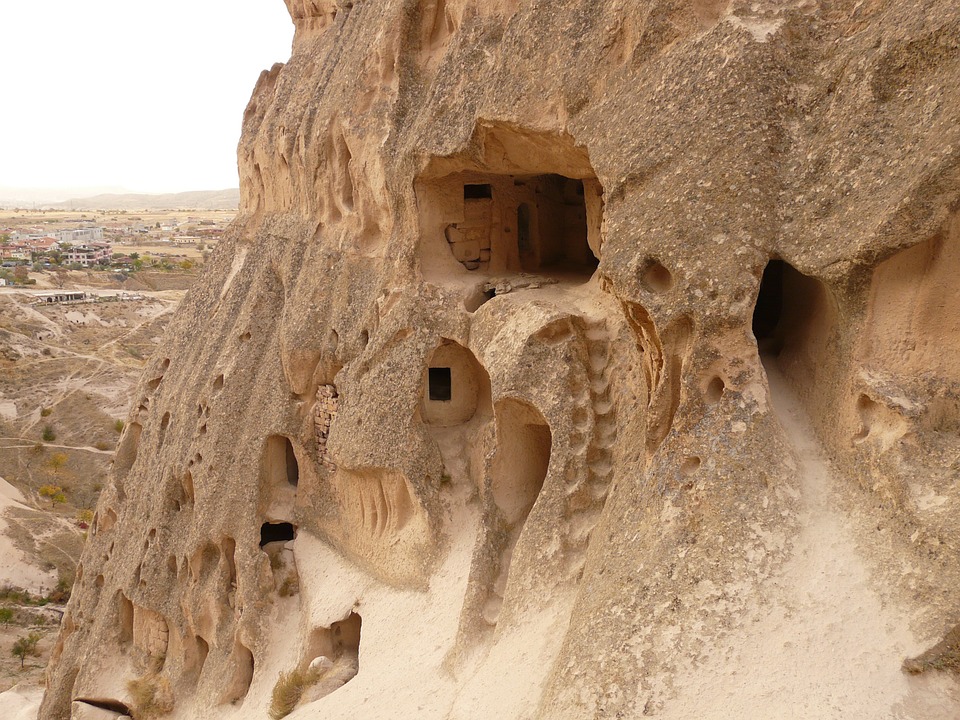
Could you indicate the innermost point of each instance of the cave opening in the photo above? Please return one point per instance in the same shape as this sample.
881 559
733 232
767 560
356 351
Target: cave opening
535 224
513 223
769 308
271 532
794 323
455 386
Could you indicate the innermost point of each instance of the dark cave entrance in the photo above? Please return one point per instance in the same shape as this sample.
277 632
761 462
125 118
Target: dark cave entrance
768 311
276 532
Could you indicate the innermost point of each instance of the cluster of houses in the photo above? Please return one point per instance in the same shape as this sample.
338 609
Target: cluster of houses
84 246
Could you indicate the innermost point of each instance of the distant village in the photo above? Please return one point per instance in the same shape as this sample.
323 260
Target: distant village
126 244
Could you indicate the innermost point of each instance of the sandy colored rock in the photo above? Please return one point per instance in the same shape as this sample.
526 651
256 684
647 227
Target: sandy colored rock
568 360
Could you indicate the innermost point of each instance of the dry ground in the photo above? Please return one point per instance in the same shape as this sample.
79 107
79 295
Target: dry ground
69 370
66 376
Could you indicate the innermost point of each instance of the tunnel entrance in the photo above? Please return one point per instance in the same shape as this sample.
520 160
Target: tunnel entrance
769 308
793 314
793 322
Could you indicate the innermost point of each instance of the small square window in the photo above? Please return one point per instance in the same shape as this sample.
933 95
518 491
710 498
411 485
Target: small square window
477 192
441 384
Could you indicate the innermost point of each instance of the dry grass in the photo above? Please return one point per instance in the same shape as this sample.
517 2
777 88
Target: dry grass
151 696
288 691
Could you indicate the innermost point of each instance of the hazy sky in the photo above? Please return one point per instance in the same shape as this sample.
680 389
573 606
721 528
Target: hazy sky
147 96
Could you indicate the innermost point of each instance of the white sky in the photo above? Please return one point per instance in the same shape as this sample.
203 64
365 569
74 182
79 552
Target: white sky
145 96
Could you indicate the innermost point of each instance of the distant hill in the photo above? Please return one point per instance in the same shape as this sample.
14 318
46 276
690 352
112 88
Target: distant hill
228 199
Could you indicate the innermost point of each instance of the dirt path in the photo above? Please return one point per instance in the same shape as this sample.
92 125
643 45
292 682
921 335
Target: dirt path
827 646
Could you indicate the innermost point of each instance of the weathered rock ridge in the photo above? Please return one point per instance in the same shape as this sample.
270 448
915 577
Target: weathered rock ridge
471 402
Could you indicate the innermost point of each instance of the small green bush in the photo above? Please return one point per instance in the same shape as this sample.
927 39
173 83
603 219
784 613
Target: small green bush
48 434
46 412
119 425
6 615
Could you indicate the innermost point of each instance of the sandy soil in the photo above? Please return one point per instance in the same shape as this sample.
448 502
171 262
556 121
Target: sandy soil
827 621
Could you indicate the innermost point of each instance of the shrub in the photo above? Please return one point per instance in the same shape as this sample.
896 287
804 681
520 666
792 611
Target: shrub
46 412
48 434
101 445
288 691
151 696
118 426
6 615
53 493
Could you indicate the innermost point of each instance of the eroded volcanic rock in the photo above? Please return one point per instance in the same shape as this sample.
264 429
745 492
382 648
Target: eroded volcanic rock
493 403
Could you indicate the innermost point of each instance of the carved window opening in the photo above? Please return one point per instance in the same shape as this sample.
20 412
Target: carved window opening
481 191
440 384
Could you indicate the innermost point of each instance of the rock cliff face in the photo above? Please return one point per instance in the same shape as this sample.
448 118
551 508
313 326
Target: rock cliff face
494 402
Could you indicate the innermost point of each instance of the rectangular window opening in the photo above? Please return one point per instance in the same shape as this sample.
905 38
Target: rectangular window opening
441 385
477 192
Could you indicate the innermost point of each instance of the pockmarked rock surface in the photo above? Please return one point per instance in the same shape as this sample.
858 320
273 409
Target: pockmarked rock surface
468 418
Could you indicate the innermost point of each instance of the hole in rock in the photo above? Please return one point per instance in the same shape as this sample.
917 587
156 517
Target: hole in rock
766 314
199 655
657 278
280 463
441 384
276 532
108 704
715 388
546 233
455 385
124 618
866 409
239 682
164 424
477 299
690 465
335 652
524 442
793 322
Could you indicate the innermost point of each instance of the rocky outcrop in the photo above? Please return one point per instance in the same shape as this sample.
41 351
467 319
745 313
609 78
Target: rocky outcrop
471 403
